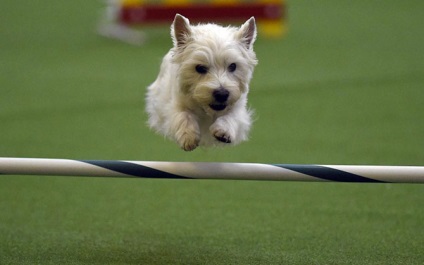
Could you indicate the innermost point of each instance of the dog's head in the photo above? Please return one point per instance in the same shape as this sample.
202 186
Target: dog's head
215 63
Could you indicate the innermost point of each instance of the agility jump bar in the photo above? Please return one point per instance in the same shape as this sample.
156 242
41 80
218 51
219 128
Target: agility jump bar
205 170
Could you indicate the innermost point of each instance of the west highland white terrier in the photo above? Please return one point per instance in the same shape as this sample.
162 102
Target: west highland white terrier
199 97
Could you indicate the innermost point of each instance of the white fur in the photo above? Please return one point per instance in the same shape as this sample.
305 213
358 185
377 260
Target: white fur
182 102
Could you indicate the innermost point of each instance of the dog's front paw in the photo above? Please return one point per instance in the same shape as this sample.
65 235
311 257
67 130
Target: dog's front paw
189 142
222 136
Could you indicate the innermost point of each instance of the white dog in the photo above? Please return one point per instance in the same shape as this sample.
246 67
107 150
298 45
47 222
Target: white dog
200 95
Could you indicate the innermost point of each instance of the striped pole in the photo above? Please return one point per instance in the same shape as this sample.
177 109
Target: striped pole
198 170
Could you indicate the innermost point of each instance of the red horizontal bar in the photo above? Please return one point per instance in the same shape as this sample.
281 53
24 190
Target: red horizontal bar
160 13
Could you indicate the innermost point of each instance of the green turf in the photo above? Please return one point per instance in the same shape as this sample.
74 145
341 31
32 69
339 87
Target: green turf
346 86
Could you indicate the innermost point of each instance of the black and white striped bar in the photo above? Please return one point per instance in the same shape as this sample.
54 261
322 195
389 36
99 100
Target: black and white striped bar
199 170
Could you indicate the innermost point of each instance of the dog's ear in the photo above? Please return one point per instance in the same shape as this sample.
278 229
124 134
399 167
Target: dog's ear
247 33
180 31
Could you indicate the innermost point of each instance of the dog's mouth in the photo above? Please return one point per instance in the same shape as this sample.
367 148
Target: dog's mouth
218 107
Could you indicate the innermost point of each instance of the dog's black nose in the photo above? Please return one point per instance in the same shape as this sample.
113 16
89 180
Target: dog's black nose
221 95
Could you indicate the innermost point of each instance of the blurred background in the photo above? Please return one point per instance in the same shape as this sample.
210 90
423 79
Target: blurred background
344 85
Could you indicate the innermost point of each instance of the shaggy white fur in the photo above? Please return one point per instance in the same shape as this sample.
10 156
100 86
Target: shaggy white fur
200 94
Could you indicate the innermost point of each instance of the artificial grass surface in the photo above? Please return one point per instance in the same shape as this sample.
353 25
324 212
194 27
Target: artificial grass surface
344 87
103 221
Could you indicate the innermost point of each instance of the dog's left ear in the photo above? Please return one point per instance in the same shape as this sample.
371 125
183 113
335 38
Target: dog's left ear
247 33
180 31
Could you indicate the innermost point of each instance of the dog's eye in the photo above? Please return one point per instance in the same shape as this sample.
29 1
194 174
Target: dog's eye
201 69
232 67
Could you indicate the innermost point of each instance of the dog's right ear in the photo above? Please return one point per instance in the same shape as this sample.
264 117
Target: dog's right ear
180 31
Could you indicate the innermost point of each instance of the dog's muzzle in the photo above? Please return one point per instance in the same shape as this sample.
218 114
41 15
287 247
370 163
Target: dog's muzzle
221 96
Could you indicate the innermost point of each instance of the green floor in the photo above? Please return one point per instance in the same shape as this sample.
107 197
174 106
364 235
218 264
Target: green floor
346 86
